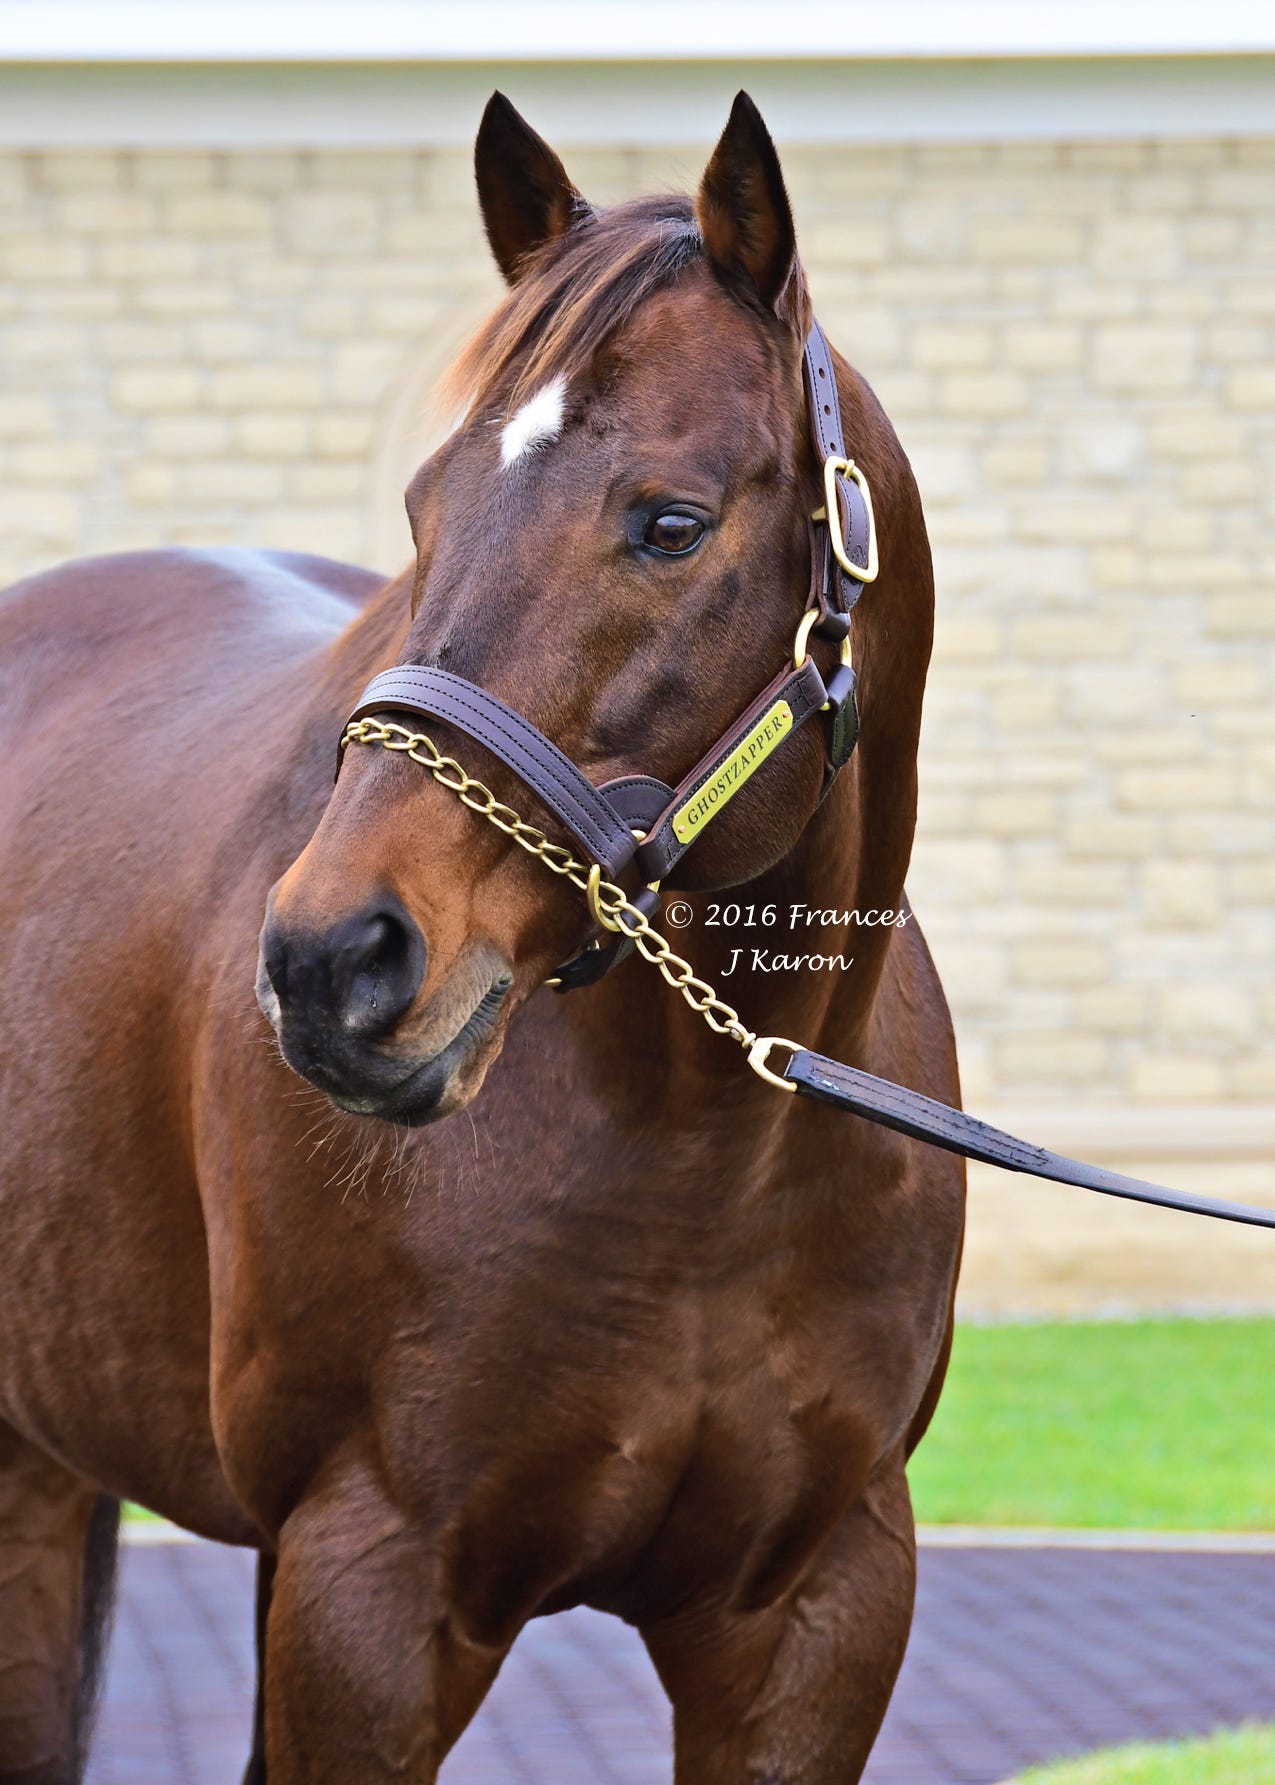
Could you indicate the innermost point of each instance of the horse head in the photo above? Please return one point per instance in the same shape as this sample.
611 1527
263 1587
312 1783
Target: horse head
615 541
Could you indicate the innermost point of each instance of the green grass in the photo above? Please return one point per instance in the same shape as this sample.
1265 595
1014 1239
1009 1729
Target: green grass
1164 1424
1235 1757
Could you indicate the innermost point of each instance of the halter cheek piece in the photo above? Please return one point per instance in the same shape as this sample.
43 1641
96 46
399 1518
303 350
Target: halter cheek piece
638 819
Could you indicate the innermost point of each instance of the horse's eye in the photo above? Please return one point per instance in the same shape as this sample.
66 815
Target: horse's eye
673 533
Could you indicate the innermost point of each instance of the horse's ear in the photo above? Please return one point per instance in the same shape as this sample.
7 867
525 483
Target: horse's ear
743 209
523 188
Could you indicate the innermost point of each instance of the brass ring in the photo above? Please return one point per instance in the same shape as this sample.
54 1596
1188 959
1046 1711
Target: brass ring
592 890
803 637
591 894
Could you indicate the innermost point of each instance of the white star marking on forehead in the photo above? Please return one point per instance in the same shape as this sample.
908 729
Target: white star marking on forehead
535 424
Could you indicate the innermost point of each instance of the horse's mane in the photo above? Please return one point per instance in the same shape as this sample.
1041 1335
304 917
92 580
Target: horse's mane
575 292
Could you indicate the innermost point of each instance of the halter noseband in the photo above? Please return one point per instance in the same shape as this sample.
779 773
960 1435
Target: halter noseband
637 818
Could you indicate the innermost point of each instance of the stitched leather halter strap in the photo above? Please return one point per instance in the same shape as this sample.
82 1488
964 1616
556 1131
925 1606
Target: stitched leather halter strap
574 800
908 1112
833 588
601 819
803 692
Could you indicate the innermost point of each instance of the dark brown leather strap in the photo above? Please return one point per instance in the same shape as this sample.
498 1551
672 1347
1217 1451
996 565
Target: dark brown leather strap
804 691
822 400
637 799
908 1112
836 591
437 694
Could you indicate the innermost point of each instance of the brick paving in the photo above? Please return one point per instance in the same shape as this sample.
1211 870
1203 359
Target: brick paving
1017 1655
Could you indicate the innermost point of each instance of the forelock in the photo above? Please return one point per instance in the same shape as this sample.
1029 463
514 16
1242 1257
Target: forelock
574 294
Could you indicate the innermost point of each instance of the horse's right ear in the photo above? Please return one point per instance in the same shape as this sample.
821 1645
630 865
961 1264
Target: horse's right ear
743 210
523 188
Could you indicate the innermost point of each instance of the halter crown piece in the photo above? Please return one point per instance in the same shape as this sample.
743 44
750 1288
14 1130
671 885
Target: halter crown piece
639 820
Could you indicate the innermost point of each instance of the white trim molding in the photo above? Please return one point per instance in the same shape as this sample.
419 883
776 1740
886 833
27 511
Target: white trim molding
415 73
428 104
1182 1543
147 1532
583 30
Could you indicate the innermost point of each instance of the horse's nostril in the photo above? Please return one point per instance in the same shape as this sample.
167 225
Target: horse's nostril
274 958
377 964
360 976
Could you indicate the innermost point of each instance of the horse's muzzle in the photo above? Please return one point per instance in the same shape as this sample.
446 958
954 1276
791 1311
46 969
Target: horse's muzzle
336 999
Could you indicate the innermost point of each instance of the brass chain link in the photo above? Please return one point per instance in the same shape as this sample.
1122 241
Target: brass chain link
610 904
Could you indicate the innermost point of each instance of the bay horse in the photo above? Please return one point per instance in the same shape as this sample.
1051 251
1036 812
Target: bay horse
625 1329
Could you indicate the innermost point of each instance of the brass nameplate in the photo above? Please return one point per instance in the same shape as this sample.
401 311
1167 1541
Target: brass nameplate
770 730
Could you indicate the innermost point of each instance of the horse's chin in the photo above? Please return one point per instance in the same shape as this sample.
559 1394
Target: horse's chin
397 1087
430 1092
436 1087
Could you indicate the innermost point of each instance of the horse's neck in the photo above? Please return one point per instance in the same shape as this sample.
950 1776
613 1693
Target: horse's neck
369 644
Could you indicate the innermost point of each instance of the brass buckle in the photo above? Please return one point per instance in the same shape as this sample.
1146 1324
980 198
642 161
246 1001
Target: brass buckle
832 466
759 1053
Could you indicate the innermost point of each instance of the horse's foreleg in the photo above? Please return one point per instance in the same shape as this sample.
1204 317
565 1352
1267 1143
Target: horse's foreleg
57 1551
256 1773
795 1694
368 1680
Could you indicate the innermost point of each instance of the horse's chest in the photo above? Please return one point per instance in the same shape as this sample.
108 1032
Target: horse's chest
619 1459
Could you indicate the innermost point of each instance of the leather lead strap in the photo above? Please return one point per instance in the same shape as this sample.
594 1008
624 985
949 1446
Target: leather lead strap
908 1112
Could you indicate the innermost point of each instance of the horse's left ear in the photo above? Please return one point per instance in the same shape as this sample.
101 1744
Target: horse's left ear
743 210
523 188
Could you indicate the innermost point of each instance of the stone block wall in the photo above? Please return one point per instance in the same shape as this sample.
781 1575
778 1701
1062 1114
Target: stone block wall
1077 344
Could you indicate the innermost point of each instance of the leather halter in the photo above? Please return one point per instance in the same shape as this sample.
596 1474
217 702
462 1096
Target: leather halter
637 819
